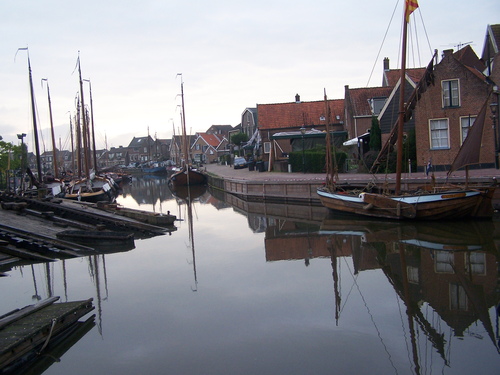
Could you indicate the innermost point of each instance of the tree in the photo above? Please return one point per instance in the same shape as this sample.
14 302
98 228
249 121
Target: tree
10 156
238 138
375 135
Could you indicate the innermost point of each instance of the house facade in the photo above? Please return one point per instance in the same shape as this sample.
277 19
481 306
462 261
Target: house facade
448 108
205 148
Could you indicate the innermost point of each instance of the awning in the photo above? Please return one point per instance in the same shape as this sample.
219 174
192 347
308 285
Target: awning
354 141
313 133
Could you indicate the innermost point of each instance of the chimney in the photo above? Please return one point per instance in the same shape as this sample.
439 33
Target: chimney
447 53
386 64
297 98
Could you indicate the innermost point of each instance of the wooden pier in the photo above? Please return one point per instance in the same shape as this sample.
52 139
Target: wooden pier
28 334
30 230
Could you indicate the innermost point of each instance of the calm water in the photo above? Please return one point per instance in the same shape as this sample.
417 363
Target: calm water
262 292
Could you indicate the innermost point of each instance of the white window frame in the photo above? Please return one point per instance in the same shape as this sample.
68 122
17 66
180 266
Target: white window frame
465 126
267 147
450 94
444 261
439 134
476 263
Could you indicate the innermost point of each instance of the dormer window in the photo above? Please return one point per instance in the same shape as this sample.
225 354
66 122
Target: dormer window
376 105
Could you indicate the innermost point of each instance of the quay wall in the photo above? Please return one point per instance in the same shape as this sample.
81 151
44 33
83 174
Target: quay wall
304 191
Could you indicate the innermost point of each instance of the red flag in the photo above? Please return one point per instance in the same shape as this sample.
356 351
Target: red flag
411 5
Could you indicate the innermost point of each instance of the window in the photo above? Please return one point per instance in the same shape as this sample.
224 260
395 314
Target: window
465 124
458 297
376 105
267 147
476 263
444 261
412 273
197 148
451 97
439 134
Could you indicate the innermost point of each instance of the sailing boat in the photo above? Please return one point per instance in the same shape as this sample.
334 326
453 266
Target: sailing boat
90 188
441 203
187 175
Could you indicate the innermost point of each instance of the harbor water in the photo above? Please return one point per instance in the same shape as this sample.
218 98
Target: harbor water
253 288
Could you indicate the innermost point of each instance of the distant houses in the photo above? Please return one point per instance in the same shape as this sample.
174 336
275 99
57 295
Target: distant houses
439 122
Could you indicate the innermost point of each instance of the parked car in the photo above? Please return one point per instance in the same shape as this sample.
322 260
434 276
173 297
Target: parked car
240 162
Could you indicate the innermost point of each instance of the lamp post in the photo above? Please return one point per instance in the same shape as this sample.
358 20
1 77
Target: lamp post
21 137
303 131
494 111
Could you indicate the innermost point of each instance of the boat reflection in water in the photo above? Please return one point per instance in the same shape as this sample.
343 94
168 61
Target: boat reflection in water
186 195
444 274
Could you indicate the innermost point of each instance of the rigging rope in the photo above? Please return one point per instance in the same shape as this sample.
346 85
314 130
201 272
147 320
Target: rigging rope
372 319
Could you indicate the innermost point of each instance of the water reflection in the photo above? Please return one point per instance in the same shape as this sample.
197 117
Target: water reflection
149 190
450 267
446 273
302 291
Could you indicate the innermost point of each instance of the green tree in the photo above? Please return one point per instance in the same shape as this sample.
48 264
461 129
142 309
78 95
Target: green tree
375 135
10 156
238 138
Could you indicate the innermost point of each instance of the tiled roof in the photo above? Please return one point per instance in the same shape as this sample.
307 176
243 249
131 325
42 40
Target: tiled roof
210 139
298 114
391 77
468 57
359 99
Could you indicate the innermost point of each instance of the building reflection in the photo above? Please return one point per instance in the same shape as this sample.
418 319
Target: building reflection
149 189
449 268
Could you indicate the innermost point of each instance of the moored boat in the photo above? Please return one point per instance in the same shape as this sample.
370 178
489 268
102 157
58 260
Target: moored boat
427 203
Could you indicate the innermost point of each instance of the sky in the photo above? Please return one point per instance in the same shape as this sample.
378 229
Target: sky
232 56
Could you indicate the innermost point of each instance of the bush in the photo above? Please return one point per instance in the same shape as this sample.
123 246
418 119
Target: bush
314 161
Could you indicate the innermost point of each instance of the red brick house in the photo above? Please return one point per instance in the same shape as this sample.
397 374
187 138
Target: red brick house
291 117
449 107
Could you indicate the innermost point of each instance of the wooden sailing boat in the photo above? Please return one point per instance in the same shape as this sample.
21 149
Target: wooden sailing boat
90 187
441 203
187 175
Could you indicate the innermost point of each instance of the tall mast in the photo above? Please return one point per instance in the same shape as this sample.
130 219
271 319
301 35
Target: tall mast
33 111
73 167
410 6
54 147
84 126
186 147
92 125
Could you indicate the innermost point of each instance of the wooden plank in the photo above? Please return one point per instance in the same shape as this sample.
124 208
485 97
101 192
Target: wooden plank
399 209
26 311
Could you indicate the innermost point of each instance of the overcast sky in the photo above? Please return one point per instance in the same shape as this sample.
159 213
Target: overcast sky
232 56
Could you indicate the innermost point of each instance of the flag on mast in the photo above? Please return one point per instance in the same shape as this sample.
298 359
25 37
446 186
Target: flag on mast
411 5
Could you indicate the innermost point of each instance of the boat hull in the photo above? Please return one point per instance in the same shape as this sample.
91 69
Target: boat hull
189 177
436 206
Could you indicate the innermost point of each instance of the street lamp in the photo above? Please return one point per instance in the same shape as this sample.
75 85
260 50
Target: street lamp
303 131
21 137
494 111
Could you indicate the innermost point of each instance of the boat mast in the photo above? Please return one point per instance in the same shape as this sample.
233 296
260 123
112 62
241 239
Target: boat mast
84 124
402 82
92 125
186 148
54 148
33 111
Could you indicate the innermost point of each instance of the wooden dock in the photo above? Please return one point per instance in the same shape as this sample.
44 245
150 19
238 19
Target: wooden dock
29 230
25 334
